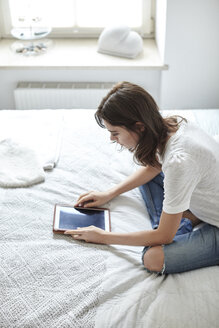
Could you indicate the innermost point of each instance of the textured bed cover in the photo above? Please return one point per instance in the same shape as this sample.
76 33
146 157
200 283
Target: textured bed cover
53 281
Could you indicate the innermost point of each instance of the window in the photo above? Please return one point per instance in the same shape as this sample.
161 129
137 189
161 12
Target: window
77 17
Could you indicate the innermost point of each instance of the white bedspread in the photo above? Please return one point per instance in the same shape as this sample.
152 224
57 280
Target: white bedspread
52 281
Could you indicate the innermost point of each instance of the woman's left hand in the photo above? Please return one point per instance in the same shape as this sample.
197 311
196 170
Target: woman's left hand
89 234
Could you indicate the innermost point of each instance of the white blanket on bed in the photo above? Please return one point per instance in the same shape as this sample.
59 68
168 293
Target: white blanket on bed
54 281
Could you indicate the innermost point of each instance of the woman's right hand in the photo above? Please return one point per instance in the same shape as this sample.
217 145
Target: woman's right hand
93 199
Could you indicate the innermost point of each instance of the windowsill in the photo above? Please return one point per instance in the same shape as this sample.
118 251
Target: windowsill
79 54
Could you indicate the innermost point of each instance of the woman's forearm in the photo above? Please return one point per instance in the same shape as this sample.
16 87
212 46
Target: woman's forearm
139 238
95 199
164 234
140 177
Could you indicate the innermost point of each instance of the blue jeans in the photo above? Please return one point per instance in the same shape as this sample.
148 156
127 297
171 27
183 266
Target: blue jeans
190 249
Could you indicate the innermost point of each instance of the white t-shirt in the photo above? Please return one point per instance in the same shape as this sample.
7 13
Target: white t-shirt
190 164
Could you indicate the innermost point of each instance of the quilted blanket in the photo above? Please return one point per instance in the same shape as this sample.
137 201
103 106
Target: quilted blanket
49 280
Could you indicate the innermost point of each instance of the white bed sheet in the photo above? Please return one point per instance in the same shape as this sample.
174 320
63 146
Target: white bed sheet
53 281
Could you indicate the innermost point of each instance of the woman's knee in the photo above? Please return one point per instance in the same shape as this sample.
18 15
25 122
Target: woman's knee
154 259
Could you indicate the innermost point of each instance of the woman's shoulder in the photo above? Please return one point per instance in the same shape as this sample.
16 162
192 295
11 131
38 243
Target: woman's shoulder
190 144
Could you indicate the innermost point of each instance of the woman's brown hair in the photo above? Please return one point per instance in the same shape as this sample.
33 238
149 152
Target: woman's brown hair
125 105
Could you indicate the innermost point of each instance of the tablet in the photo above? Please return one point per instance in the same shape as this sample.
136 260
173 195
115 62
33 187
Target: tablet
70 218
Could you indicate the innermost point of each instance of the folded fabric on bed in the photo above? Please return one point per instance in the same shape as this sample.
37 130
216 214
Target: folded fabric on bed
19 166
39 130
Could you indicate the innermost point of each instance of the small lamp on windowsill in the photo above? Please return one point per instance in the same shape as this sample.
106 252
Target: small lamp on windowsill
32 38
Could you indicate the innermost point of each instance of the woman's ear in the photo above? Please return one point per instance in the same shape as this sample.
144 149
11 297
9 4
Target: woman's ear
139 126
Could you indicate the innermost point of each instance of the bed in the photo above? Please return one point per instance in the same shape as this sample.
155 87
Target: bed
51 280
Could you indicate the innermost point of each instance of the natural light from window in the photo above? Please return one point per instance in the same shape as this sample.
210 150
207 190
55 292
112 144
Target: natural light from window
76 13
113 12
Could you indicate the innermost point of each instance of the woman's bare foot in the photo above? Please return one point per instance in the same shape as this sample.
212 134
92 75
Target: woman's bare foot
189 215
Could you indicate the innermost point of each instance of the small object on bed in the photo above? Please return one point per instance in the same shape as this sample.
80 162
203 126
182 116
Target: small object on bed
120 41
19 165
23 126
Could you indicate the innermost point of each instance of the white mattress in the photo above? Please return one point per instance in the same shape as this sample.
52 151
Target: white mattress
54 281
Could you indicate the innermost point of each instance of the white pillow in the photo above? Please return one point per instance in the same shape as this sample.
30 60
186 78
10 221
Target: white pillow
120 41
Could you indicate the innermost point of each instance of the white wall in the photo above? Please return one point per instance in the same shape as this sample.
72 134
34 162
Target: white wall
160 26
192 53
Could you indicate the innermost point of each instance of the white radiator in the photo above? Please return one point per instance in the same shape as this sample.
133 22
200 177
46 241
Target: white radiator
54 95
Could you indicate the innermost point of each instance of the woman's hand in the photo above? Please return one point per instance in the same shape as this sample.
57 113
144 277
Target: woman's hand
89 234
93 199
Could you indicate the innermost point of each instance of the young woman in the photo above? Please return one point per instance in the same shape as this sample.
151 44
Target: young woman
179 182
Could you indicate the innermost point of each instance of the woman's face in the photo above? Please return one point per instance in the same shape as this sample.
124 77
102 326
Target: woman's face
126 138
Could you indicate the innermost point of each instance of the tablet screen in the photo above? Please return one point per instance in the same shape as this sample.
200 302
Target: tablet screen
69 218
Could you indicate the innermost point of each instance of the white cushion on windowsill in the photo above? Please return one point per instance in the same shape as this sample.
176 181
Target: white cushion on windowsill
120 41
